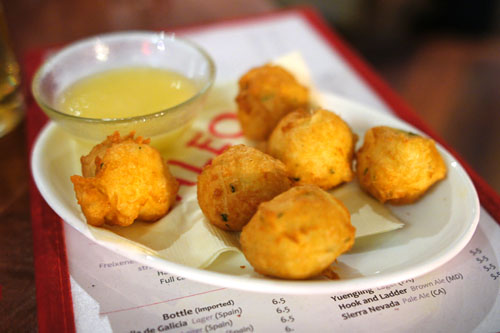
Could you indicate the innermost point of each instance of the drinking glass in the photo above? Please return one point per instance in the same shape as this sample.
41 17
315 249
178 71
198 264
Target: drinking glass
11 99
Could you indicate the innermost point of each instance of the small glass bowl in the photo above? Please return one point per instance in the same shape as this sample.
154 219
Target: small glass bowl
119 50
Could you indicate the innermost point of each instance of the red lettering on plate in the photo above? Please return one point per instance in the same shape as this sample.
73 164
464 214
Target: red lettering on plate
224 117
185 182
205 143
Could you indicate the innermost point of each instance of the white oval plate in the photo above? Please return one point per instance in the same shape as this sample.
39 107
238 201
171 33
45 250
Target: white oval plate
436 229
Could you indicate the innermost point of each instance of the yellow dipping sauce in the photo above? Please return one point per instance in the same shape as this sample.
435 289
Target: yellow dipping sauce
125 92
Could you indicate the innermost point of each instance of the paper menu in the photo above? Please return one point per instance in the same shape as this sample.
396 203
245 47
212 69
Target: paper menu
112 293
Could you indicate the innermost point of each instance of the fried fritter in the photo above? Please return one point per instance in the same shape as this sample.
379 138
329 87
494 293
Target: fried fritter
236 182
316 148
97 153
298 234
124 179
266 94
398 166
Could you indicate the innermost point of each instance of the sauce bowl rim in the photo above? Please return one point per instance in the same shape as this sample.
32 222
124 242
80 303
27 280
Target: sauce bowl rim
36 81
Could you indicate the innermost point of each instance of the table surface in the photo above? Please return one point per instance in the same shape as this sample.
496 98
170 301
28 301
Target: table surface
36 24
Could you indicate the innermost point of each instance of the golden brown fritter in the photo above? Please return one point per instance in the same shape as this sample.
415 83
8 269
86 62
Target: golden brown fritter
398 166
130 181
316 148
89 161
298 234
266 94
236 182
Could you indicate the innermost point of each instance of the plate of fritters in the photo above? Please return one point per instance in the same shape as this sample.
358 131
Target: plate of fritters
296 235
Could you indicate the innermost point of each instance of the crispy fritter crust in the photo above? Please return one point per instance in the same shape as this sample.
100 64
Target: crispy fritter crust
124 179
398 166
89 162
316 148
298 234
236 182
266 94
